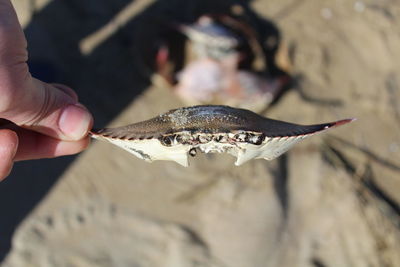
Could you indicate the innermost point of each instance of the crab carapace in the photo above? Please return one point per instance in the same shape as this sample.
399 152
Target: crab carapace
179 132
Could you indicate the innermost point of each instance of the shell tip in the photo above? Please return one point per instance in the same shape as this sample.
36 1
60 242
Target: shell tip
341 122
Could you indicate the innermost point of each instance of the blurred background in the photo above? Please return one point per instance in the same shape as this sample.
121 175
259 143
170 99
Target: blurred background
333 200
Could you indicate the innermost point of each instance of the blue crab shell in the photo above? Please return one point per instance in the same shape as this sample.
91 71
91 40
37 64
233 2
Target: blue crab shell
179 132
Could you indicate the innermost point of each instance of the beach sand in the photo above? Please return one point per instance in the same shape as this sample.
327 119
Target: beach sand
331 201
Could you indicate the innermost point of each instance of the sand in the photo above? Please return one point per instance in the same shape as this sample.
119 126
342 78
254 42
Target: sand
331 201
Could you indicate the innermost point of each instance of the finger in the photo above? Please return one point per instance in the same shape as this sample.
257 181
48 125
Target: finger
8 148
33 145
46 109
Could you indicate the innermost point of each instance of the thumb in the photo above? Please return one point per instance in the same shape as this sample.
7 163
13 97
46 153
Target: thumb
53 110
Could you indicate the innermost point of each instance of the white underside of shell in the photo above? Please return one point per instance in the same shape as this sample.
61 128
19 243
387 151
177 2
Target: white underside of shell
152 149
270 149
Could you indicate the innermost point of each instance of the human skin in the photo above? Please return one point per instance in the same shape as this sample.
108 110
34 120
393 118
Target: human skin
37 119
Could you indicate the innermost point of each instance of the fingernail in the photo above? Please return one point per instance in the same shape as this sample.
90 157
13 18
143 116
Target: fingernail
75 121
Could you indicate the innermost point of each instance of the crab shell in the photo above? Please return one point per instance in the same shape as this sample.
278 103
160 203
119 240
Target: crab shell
221 60
209 129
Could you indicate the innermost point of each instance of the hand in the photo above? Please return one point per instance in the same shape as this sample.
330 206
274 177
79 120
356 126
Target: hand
47 119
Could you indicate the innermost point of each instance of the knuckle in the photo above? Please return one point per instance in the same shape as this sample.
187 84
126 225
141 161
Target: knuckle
12 83
44 105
